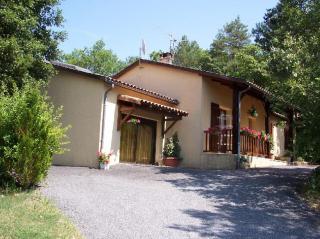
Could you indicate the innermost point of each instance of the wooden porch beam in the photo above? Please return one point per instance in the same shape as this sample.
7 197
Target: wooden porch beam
162 125
170 126
173 118
236 121
125 108
267 124
174 121
128 114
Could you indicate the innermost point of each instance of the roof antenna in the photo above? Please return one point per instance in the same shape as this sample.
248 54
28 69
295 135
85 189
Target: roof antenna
172 43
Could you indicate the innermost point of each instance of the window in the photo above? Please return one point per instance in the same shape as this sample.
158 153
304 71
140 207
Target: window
223 119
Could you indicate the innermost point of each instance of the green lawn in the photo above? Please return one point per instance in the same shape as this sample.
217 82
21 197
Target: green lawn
29 215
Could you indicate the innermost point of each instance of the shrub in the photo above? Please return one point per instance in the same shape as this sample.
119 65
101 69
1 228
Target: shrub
314 180
30 133
172 147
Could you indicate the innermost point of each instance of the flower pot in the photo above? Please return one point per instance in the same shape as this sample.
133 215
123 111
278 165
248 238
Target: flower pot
171 161
101 165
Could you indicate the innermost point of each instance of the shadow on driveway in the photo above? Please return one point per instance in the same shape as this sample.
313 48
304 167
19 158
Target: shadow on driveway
257 203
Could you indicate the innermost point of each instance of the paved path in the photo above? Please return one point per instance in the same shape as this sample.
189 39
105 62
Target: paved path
132 201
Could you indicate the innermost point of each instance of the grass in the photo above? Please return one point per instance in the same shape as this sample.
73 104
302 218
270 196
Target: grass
313 199
310 191
29 215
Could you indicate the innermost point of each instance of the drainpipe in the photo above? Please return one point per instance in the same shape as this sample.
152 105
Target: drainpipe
103 115
238 119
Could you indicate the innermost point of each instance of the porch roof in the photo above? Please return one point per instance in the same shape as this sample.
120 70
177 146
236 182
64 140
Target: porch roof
152 105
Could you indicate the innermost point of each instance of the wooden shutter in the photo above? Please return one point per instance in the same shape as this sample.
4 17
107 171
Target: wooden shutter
215 114
214 138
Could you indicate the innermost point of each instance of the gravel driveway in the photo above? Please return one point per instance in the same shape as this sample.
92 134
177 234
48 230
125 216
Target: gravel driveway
132 201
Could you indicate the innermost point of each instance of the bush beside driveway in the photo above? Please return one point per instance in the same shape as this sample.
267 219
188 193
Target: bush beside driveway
132 201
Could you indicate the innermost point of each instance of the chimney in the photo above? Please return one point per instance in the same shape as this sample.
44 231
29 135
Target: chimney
166 58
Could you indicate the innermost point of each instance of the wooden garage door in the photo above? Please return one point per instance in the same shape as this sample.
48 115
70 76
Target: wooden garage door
137 144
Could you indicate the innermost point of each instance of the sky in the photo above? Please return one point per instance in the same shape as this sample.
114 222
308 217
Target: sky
122 24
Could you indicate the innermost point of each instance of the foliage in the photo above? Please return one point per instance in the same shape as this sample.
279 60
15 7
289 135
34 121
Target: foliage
97 58
314 180
253 111
172 147
28 215
233 37
262 135
30 134
290 35
188 54
249 63
131 59
155 55
104 157
28 35
134 120
311 189
244 162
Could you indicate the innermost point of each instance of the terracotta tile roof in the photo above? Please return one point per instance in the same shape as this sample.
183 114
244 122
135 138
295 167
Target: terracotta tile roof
142 90
153 105
116 82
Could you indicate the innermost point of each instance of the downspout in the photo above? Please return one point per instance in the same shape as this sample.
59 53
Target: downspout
103 115
238 124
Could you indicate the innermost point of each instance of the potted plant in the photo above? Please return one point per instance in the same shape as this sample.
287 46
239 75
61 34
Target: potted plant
171 151
134 121
253 112
104 160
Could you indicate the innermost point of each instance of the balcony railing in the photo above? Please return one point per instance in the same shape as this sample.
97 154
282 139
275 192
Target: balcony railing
220 141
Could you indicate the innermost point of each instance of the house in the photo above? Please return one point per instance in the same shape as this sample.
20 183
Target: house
135 110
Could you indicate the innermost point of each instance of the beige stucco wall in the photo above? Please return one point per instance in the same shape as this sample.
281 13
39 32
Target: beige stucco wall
218 161
278 138
111 136
82 101
214 92
195 95
246 103
187 88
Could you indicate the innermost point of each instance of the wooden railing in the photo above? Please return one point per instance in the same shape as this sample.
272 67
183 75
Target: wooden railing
220 141
253 146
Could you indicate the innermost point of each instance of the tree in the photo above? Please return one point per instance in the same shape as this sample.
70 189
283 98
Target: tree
232 53
97 58
27 38
188 53
131 59
290 34
30 134
249 63
233 37
155 55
